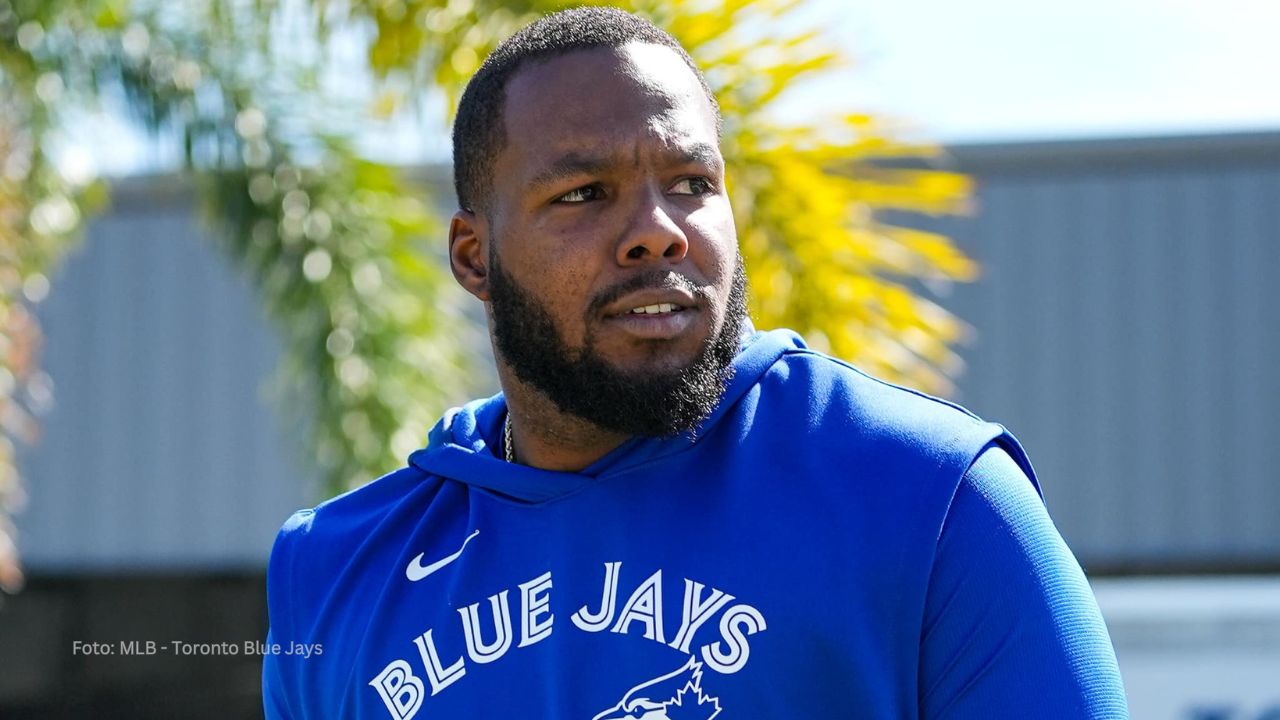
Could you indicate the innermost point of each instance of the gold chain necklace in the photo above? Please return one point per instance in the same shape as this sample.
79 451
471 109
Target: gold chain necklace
509 449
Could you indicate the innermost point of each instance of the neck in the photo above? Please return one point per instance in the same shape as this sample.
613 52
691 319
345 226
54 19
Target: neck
546 437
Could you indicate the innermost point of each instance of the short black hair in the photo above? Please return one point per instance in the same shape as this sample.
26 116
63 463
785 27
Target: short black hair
478 133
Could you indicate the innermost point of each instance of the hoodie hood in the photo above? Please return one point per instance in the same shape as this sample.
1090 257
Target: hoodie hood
464 444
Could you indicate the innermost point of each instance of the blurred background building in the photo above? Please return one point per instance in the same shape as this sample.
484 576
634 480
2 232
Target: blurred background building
1127 226
1123 328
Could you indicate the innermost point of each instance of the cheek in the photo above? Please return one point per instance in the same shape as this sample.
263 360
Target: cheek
559 279
716 242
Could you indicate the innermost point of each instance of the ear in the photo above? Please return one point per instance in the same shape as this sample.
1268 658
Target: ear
469 252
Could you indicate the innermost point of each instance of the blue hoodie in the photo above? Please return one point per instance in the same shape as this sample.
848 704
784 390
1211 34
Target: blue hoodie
826 546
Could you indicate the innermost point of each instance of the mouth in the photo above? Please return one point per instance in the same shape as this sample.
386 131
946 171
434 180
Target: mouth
654 320
658 312
656 309
653 301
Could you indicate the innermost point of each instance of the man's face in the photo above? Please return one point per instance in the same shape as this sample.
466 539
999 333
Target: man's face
609 197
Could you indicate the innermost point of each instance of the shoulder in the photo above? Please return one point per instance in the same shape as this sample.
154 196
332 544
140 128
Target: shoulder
348 517
829 397
315 546
900 452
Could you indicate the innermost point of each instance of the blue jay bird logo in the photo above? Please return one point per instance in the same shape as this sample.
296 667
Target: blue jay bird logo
675 696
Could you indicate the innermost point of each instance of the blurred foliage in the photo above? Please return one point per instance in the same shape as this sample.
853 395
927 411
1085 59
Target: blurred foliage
346 254
850 286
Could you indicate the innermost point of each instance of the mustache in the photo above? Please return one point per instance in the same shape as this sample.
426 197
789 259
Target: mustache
651 280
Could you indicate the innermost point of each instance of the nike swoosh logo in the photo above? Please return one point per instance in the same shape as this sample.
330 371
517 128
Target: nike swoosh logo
416 571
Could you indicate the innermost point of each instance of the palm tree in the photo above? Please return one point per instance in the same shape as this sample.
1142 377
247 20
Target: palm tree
335 242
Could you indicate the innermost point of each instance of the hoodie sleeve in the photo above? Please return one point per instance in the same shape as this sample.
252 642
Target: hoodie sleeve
274 702
277 677
1011 627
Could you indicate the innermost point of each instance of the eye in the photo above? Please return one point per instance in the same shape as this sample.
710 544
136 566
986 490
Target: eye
582 194
692 186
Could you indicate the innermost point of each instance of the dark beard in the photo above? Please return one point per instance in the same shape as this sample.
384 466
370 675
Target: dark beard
582 383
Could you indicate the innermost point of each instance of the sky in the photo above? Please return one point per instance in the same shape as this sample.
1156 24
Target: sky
975 71
995 70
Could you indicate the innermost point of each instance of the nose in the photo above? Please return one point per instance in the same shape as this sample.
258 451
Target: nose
651 234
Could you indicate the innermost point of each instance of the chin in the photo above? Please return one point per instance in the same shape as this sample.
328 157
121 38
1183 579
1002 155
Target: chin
655 357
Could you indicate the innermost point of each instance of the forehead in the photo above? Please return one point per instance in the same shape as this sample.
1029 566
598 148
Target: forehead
603 99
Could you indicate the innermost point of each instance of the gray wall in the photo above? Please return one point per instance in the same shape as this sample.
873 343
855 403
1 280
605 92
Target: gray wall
161 450
1125 331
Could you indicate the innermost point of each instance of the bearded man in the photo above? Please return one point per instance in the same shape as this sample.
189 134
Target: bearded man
664 513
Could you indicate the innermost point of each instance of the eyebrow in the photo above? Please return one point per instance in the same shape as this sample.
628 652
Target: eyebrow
566 166
704 153
576 163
